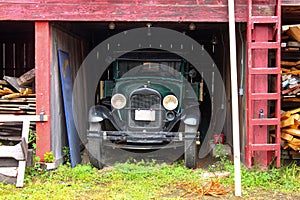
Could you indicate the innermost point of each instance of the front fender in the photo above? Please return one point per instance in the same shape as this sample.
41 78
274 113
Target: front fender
99 113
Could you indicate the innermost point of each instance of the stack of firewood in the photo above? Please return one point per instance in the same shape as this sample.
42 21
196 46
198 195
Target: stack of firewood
16 94
290 132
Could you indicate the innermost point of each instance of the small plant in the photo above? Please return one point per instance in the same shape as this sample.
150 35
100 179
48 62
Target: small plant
66 154
49 157
224 163
32 139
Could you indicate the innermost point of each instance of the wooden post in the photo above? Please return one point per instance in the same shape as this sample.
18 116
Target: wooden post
42 82
234 100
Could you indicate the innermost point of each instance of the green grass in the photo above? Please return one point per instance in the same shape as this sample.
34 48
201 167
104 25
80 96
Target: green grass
141 180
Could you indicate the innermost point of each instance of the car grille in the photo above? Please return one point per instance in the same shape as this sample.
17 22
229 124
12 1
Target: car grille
145 101
140 101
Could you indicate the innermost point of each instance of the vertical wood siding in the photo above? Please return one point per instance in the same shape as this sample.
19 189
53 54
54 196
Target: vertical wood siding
16 55
67 42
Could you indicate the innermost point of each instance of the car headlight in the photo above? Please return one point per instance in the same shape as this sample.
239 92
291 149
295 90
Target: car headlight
170 102
118 101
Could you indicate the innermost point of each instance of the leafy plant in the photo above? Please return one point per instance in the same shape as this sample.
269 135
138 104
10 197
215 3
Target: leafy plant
224 162
66 154
49 157
32 137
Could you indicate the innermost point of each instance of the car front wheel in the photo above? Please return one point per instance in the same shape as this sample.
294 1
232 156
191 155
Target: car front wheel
95 145
190 146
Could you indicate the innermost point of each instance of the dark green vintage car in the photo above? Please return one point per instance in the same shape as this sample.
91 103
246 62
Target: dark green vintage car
149 104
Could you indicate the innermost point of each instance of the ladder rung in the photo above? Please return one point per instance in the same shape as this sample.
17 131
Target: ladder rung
265 121
262 71
264 19
265 96
265 147
265 45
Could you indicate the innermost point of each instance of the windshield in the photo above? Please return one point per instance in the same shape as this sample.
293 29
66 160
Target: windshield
137 69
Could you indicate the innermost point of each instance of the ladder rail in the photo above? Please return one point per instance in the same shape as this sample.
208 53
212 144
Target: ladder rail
252 73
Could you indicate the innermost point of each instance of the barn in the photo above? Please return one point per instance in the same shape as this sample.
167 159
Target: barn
32 32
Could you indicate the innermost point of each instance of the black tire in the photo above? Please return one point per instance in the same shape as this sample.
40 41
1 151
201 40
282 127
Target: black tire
95 146
190 147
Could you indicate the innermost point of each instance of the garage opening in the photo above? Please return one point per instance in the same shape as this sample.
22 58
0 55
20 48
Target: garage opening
212 36
78 39
17 92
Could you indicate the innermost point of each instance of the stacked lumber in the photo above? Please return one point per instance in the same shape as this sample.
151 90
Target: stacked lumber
290 66
16 94
290 132
290 80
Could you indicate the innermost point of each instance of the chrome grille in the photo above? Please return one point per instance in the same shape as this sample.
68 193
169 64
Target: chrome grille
145 100
140 101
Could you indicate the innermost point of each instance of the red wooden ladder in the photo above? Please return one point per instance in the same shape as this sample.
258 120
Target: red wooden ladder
263 86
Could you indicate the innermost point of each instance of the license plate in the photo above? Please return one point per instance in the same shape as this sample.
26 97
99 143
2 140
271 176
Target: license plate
145 115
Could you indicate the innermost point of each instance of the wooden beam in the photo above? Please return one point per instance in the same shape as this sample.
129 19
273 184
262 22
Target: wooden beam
290 3
21 118
42 82
26 78
22 164
113 10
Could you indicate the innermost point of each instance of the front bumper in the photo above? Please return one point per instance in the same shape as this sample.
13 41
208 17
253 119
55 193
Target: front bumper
142 140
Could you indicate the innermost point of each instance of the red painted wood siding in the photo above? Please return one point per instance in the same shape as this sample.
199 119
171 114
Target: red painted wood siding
126 10
42 70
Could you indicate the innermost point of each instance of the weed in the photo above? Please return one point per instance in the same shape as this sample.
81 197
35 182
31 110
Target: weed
224 163
49 157
66 154
32 139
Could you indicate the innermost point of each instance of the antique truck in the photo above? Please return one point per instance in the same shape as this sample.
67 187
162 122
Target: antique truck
149 101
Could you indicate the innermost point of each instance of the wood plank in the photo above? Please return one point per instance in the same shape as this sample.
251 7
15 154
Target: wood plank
10 138
290 89
9 171
13 105
26 78
9 128
21 173
295 141
294 111
13 82
18 100
19 112
11 96
285 115
290 3
286 136
9 109
3 82
15 152
20 118
22 164
295 132
294 147
8 162
291 99
287 122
